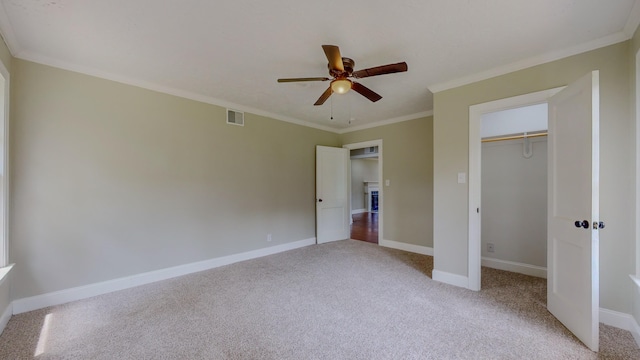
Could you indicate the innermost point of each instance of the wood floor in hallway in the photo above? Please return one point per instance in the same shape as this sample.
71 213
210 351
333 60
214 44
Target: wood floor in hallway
365 227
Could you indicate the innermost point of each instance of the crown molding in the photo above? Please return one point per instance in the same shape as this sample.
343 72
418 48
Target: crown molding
6 31
633 21
202 98
530 62
387 122
164 89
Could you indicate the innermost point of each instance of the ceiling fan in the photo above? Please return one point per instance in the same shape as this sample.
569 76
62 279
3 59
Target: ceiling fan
341 69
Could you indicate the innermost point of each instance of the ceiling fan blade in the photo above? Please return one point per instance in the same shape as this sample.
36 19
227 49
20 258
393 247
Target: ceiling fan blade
304 79
325 95
333 55
365 91
380 70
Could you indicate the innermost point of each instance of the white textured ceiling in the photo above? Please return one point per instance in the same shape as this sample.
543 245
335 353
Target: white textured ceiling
231 52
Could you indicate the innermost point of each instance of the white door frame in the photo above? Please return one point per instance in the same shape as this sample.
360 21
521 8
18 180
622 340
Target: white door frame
636 277
4 235
475 156
362 145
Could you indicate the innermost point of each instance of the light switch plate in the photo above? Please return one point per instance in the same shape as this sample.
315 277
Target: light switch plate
387 182
462 178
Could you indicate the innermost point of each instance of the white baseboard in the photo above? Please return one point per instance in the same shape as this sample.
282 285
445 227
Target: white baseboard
358 211
418 249
621 320
635 330
616 319
451 279
83 292
6 316
526 269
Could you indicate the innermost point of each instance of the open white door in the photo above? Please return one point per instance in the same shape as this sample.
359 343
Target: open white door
332 203
573 208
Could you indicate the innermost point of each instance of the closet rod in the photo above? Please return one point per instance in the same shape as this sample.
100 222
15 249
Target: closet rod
514 137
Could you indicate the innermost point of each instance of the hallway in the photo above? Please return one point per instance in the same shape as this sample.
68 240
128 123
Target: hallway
365 227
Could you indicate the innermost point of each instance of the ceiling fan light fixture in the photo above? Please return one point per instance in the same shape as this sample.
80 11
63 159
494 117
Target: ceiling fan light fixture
341 86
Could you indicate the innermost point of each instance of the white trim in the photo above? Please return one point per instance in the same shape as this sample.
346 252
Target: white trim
634 327
520 268
475 153
637 185
7 31
365 144
616 319
451 279
387 122
418 249
6 316
621 321
4 272
358 211
475 223
530 62
165 89
203 98
4 211
633 21
83 292
635 330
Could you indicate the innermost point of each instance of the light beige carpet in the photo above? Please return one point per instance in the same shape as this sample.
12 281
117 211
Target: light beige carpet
343 300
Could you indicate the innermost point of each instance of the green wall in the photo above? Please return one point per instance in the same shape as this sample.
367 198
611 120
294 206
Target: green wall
617 141
111 180
407 163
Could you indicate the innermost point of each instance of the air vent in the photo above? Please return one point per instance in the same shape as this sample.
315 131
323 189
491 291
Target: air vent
235 117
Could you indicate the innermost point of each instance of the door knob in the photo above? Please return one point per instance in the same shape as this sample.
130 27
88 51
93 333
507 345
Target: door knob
319 200
582 224
601 225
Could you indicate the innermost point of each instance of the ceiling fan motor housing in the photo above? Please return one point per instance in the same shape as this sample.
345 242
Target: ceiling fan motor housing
348 64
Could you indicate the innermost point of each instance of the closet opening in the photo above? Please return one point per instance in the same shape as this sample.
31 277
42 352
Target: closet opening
501 255
514 190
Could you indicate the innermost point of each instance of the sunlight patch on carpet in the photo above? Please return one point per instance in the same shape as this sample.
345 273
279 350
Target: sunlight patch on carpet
44 335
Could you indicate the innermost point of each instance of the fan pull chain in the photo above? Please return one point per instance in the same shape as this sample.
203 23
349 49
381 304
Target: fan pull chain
331 109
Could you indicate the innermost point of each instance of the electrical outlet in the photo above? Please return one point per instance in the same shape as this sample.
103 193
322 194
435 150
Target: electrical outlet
490 247
268 237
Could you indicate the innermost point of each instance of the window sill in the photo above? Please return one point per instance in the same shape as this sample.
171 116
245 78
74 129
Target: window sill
4 272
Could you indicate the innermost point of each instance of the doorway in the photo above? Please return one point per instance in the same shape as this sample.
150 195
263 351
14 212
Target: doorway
572 193
514 190
475 160
365 190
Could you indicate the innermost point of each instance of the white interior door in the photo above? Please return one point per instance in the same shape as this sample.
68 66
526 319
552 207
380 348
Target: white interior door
332 190
572 258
